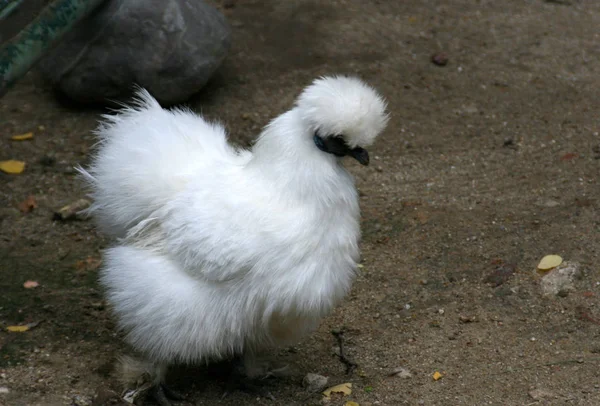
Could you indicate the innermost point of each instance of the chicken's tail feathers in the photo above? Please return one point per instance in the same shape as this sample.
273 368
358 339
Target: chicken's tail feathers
89 181
141 100
145 156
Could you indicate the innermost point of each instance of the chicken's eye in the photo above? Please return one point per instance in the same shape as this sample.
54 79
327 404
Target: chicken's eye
319 142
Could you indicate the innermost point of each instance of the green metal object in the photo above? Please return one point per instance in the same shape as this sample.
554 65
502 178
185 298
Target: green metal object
8 6
20 53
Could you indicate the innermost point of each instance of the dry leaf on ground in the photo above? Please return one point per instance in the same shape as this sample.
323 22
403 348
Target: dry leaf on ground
31 284
88 264
12 166
22 137
72 211
343 388
549 262
23 328
28 204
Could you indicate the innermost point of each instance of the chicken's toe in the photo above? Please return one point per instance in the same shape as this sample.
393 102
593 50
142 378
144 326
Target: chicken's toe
163 395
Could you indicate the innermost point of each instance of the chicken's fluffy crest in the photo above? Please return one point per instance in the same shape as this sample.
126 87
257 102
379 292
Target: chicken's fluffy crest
339 105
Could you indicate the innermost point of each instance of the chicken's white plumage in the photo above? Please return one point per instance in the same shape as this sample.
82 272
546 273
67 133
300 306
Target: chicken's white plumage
222 251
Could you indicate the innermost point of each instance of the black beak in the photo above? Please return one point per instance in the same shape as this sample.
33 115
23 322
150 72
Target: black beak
361 155
338 147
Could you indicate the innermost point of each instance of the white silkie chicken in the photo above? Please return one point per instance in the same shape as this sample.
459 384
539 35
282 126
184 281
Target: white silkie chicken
225 252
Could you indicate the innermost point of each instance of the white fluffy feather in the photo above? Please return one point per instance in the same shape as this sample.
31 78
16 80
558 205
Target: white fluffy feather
223 251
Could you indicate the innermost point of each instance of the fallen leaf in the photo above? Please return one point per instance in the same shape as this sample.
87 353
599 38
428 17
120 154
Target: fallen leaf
22 329
31 284
437 376
343 388
17 329
22 137
72 211
88 264
549 262
568 156
28 204
11 166
582 202
351 403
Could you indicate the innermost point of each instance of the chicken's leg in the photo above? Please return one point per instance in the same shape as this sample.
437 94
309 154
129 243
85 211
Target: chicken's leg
238 379
146 379
162 394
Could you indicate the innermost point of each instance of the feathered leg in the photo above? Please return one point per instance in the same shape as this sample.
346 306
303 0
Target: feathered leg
145 378
249 373
241 377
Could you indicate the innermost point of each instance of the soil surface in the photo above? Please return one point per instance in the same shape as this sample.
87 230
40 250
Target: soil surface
489 163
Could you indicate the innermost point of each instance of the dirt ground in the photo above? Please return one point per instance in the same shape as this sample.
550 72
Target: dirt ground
488 161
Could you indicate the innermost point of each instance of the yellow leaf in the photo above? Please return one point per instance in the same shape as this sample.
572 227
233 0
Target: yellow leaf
12 166
344 388
549 262
437 376
22 137
17 329
351 403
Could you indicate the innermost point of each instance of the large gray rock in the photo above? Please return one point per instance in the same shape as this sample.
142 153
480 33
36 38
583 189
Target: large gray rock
170 47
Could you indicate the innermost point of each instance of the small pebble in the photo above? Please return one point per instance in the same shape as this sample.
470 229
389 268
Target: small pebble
440 59
539 394
47 160
79 400
402 373
466 319
509 142
314 382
